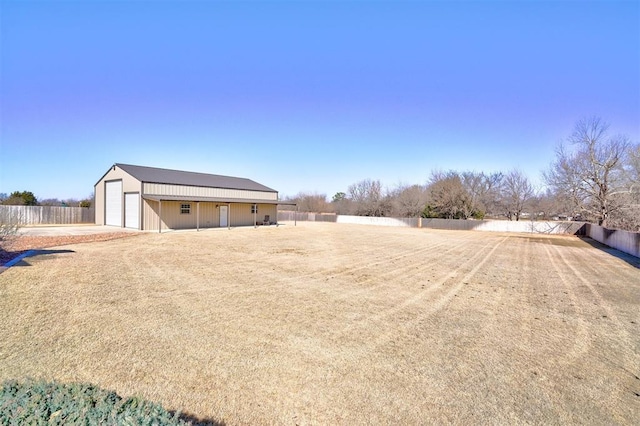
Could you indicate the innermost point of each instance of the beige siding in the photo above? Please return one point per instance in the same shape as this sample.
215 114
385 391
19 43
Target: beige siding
241 214
209 215
149 215
172 218
198 191
99 202
129 184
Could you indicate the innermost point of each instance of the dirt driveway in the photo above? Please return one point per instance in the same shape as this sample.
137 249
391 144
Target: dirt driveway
330 323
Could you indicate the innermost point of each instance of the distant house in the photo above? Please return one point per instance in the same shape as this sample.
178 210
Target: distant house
149 198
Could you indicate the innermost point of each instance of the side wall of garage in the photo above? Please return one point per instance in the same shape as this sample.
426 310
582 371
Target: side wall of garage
241 214
174 216
129 185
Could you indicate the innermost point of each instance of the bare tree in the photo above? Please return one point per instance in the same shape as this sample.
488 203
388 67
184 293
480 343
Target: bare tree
546 205
590 171
448 198
408 200
632 169
9 226
516 192
367 198
628 215
484 190
311 202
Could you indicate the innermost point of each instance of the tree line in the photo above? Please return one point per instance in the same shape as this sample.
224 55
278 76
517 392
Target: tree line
27 198
594 177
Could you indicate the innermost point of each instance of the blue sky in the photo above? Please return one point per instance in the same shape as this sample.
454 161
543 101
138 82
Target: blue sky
305 96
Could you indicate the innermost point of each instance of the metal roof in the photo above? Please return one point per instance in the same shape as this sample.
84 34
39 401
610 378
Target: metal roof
207 199
178 177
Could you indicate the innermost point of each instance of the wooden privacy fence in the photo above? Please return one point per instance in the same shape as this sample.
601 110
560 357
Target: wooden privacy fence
47 215
304 216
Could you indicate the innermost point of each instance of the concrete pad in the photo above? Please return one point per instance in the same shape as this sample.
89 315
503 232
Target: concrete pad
62 230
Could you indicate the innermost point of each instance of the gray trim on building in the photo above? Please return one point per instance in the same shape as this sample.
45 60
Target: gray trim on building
207 199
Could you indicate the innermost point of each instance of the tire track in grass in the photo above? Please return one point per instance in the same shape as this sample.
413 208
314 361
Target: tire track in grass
629 364
481 257
600 264
275 264
351 353
336 291
354 355
603 264
581 341
601 301
338 288
523 313
380 261
377 260
347 293
416 298
414 272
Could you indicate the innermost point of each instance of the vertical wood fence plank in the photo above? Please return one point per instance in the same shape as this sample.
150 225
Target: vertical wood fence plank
48 215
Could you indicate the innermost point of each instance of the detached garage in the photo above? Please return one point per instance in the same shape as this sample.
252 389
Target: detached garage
149 198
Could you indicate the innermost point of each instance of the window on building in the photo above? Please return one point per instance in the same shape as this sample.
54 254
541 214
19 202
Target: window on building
185 208
254 209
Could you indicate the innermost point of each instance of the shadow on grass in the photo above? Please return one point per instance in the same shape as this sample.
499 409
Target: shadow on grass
197 421
8 257
630 259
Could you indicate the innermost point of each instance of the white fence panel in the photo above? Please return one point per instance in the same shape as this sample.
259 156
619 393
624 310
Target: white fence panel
379 221
625 241
525 226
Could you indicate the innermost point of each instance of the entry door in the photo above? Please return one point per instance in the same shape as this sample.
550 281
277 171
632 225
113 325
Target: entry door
223 216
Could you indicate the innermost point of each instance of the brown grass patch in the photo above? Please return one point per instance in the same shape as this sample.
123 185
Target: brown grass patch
329 323
18 244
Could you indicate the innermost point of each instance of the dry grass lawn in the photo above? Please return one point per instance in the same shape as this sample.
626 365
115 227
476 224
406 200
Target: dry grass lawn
328 323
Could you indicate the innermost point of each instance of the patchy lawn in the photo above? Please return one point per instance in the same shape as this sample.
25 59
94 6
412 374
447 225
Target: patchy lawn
16 245
330 323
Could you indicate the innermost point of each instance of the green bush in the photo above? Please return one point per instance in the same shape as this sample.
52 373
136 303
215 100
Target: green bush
38 403
478 214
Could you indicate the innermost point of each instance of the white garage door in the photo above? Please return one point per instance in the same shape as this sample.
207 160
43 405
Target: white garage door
131 211
113 203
